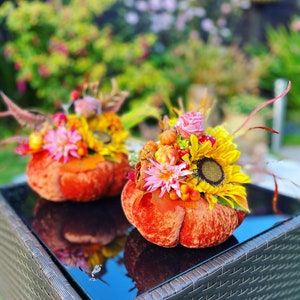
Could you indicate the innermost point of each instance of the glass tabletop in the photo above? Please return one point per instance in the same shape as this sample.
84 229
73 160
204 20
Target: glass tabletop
104 257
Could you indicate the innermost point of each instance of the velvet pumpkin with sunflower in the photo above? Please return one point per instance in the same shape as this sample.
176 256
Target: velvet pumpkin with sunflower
188 188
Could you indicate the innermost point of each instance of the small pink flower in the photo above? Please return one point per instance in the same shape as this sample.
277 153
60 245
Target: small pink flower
21 86
87 107
59 118
62 48
131 176
190 123
166 177
22 149
141 5
81 52
43 70
295 26
226 8
205 138
7 52
17 66
75 94
62 143
132 18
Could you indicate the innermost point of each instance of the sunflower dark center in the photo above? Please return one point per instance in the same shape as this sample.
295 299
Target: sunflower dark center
210 171
102 136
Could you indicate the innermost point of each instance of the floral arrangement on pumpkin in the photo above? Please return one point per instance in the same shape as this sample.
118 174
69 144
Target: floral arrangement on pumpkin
79 154
188 187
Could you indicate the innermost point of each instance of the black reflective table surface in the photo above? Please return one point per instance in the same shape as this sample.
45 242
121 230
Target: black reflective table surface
104 257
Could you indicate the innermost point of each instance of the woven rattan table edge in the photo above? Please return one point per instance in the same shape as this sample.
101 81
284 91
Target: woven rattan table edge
182 285
56 280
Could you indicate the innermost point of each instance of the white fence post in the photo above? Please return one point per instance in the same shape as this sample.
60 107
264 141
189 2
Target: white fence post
279 110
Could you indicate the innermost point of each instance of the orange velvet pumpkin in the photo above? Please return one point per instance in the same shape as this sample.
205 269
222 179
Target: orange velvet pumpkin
51 181
171 224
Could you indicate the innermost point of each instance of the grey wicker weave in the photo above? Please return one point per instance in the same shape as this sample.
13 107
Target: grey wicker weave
26 270
265 267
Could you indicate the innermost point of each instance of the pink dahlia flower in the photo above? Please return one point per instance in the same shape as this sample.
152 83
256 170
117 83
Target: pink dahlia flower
166 177
61 143
190 123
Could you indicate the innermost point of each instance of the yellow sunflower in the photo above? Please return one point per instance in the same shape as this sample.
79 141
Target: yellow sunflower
104 134
107 121
108 128
78 123
89 137
116 146
215 175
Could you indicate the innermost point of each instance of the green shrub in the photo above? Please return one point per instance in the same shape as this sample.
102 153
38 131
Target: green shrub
56 47
227 70
284 49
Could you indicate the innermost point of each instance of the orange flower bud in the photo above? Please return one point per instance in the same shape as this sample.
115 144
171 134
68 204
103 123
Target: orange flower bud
184 188
168 137
173 195
195 195
82 148
185 197
167 154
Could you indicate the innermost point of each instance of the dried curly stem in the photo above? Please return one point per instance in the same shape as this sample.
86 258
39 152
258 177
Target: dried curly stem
24 118
20 139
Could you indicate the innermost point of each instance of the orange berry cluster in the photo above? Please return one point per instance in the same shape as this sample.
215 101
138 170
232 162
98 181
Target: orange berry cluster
187 193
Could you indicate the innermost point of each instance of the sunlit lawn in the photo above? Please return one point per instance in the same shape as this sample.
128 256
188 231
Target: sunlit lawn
11 164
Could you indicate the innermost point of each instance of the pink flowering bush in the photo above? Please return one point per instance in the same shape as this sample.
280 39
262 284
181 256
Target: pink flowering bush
171 20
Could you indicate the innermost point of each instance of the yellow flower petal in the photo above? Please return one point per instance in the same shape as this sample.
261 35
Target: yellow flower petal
225 181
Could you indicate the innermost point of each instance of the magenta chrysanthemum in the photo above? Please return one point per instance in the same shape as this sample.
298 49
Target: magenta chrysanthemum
61 143
165 177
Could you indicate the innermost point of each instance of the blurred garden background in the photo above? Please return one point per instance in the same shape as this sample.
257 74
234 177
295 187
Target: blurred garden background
159 51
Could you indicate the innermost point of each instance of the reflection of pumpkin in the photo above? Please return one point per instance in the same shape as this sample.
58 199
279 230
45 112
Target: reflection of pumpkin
65 223
140 256
82 234
51 181
171 224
